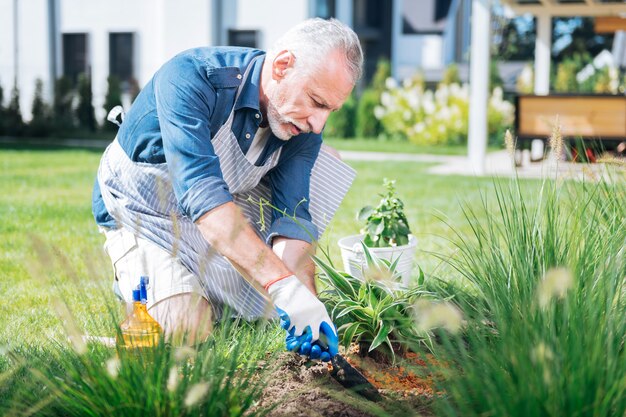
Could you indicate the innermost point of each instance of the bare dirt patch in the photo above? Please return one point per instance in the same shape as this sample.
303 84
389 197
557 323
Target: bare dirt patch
298 387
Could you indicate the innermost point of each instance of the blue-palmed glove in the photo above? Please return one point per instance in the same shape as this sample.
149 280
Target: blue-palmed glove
310 331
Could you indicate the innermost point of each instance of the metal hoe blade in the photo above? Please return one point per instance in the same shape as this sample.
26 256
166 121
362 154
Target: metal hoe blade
352 379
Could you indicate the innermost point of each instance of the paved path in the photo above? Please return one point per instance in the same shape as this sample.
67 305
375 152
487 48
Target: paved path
497 163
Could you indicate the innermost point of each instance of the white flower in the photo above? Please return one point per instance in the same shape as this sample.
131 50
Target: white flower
555 284
433 314
184 352
385 98
379 112
419 127
196 393
173 379
113 367
391 83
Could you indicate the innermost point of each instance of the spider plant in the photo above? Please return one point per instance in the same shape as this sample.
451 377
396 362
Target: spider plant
376 312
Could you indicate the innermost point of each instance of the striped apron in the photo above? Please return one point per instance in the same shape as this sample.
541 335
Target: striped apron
140 197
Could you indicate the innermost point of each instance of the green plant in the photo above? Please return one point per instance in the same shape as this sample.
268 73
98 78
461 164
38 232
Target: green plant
386 224
14 124
374 312
366 124
63 105
547 336
84 110
113 98
409 112
340 124
40 124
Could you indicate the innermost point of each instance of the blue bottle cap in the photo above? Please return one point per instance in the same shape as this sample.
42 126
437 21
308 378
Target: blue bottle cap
136 295
143 291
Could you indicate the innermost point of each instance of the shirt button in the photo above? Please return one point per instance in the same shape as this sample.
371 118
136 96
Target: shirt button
258 116
239 77
247 135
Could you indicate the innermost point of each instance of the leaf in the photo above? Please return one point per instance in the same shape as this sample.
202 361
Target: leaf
336 279
364 213
421 277
347 310
383 333
349 333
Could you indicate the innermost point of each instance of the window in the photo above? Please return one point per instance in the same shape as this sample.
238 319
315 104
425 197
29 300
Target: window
247 38
75 59
121 54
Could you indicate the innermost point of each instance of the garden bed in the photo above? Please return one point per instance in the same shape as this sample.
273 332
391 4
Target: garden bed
298 387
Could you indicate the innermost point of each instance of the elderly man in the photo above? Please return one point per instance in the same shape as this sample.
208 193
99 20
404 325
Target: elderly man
212 136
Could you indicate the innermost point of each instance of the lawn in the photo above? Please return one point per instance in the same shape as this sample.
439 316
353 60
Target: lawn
532 275
45 206
378 145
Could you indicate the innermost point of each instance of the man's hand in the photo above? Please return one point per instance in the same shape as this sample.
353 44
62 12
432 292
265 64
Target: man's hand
309 328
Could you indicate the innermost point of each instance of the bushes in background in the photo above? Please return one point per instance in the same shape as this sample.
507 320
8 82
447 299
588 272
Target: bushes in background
41 122
424 117
71 112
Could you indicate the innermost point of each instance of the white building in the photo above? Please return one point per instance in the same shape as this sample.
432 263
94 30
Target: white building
47 39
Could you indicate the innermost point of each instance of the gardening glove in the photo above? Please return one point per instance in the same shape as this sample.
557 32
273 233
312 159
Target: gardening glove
309 329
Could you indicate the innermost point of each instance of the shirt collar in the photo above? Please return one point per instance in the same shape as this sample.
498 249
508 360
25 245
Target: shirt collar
249 96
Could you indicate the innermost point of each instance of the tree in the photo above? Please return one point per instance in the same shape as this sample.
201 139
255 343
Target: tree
2 121
62 107
40 124
14 124
113 98
514 39
84 111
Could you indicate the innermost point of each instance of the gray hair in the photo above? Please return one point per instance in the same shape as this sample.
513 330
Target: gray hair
314 39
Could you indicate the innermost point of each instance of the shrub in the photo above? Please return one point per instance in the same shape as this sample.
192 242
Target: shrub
451 75
14 124
340 124
63 105
367 125
525 83
84 110
2 121
549 274
113 98
425 117
40 124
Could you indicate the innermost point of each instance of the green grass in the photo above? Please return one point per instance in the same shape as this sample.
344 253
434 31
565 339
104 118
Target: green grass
376 145
545 332
45 204
51 259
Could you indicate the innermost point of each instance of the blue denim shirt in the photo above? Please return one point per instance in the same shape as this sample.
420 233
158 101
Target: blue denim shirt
178 112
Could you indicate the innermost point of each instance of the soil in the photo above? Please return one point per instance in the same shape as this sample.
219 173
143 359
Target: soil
305 388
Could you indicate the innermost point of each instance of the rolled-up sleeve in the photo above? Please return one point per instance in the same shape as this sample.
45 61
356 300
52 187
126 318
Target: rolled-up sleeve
290 183
184 98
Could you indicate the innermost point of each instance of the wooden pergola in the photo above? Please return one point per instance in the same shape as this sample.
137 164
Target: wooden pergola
612 14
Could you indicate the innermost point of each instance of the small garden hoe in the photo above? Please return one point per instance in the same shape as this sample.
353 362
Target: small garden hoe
352 379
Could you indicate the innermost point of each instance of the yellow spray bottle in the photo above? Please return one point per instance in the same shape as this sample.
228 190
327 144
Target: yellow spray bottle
139 329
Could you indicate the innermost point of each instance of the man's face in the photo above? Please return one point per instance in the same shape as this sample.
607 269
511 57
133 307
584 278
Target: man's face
300 102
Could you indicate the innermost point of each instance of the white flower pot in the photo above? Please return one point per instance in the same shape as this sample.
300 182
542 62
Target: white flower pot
354 261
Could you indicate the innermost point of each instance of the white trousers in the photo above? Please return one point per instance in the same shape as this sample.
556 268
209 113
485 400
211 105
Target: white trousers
133 257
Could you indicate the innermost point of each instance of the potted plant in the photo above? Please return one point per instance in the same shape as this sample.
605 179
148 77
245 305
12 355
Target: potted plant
387 235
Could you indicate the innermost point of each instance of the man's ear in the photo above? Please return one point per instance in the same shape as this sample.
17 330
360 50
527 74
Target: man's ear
283 61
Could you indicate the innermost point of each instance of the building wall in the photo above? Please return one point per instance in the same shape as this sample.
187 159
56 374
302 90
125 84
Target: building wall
33 57
162 28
